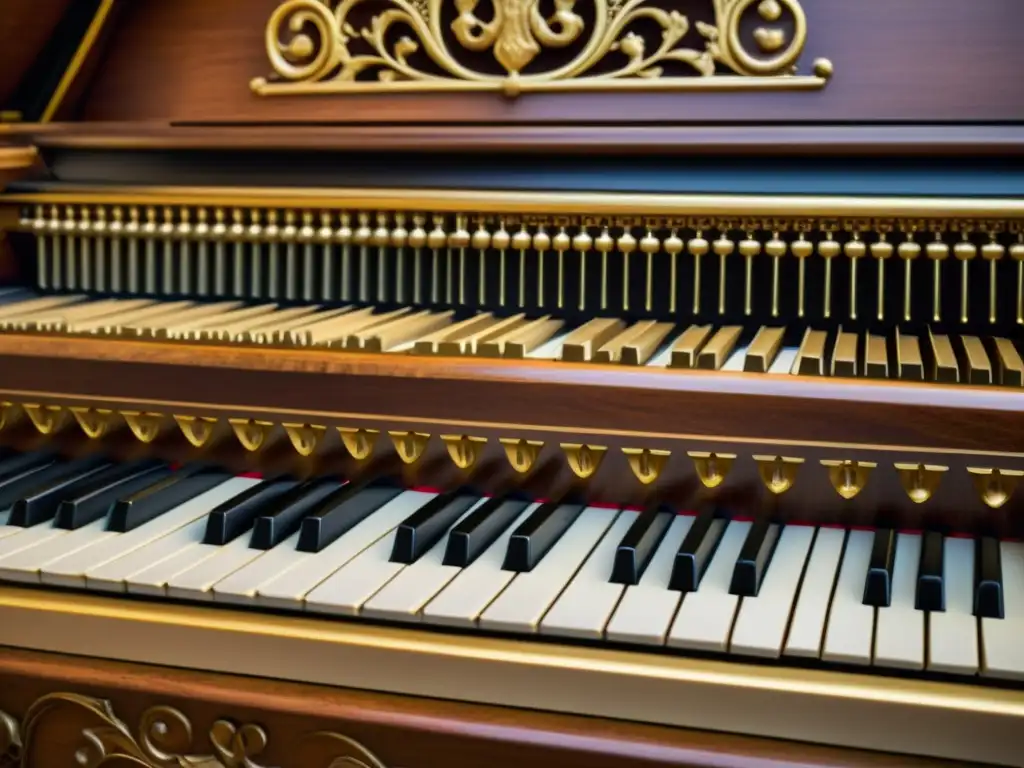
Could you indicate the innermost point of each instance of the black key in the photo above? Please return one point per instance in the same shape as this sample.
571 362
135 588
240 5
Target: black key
138 508
754 557
276 525
340 512
232 518
931 583
94 500
481 529
988 582
878 585
427 525
38 501
537 534
20 463
16 482
696 550
639 544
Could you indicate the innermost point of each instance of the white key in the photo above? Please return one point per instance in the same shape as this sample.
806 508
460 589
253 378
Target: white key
105 565
850 622
810 617
26 564
352 585
646 610
585 606
899 627
705 617
27 538
291 587
734 362
523 604
213 563
461 602
551 349
953 633
784 361
404 596
241 587
146 570
1002 640
8 530
761 622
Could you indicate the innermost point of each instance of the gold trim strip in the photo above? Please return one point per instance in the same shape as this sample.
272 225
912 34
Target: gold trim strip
809 705
78 60
535 202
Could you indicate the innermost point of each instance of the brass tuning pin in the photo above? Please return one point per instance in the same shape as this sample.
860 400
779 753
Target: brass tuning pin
749 248
697 246
459 239
436 240
776 249
828 249
801 248
937 251
561 244
722 247
992 252
521 242
417 239
626 245
908 250
500 243
541 244
604 244
855 250
1017 254
381 238
649 245
480 241
965 251
673 247
581 244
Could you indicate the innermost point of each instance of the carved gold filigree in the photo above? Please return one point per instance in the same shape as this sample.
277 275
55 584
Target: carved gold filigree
95 422
995 486
464 450
251 434
163 738
319 46
711 468
9 414
848 477
584 460
305 437
521 454
358 442
920 481
646 463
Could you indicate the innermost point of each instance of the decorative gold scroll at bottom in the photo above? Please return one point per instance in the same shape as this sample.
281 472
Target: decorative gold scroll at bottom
164 737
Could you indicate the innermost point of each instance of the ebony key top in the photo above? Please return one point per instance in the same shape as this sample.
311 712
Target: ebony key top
427 525
235 516
39 501
141 506
538 533
696 550
340 512
94 500
878 584
988 579
20 463
275 525
481 529
931 585
639 544
756 553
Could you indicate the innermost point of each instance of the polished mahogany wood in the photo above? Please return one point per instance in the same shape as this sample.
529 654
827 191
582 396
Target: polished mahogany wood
25 27
400 731
915 61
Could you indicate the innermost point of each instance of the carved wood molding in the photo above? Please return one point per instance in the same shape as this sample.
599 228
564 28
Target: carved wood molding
164 738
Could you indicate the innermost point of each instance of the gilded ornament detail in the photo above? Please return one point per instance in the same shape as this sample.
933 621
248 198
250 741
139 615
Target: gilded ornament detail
518 46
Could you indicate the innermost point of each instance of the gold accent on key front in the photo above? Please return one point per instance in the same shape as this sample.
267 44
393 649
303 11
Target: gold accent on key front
47 419
463 449
848 477
646 463
920 481
778 472
358 442
712 467
252 434
409 445
145 426
522 454
198 430
305 437
584 460
95 422
995 486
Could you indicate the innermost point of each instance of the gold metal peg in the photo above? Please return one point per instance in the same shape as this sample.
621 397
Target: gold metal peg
464 450
908 250
937 251
995 486
9 414
855 250
992 252
776 249
646 463
722 247
801 249
920 481
409 445
828 249
250 433
521 453
358 442
95 422
965 251
584 460
304 437
712 468
697 246
1017 254
778 472
47 419
848 477
145 426
198 430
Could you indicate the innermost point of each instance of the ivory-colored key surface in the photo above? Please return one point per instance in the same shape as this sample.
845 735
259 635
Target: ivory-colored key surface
810 358
267 334
1009 366
373 325
686 348
233 331
428 344
844 354
268 324
976 361
899 627
192 325
909 363
33 306
154 327
324 331
59 319
611 351
644 345
581 344
521 340
876 357
465 343
405 329
946 368
718 349
113 324
763 349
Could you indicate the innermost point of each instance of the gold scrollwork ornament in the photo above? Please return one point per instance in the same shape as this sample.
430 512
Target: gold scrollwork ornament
163 738
428 45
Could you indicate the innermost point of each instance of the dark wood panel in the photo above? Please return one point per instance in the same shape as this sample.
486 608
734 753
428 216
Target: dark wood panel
25 26
911 60
397 731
